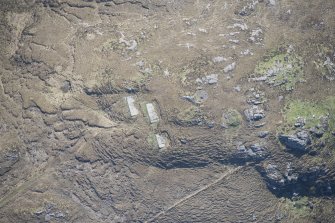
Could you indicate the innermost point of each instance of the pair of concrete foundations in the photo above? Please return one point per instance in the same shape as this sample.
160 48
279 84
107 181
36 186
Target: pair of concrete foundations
153 118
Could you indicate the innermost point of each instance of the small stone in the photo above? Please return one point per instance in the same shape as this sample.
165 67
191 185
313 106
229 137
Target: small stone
246 52
262 78
39 212
140 64
202 30
263 134
199 81
166 73
210 125
189 98
183 141
212 79
219 59
47 217
132 45
236 41
237 88
242 27
147 71
229 67
299 123
318 132
200 96
260 125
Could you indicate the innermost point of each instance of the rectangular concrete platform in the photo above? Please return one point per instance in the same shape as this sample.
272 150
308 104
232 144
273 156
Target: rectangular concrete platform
131 105
153 116
161 141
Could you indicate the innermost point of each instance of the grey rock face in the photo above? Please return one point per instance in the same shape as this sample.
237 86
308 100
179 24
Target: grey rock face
7 160
274 177
254 152
287 180
298 142
254 113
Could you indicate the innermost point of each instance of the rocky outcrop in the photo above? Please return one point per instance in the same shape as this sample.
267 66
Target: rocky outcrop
298 142
289 180
252 153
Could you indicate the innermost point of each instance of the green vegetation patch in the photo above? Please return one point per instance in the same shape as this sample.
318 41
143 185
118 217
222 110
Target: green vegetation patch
310 112
282 68
231 118
313 114
152 141
298 208
325 64
191 116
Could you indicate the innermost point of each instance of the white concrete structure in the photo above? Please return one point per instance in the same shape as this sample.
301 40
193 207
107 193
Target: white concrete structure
152 113
162 141
131 105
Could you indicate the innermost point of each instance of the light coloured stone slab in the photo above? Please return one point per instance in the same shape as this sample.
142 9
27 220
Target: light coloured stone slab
161 140
153 116
131 105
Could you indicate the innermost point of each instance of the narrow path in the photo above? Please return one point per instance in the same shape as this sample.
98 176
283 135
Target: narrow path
184 199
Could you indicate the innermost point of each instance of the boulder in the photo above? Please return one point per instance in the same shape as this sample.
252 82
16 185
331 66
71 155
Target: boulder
254 113
317 131
298 142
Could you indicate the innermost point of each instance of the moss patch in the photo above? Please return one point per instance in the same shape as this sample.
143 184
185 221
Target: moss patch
310 112
231 118
297 208
325 64
191 116
281 68
152 141
314 114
